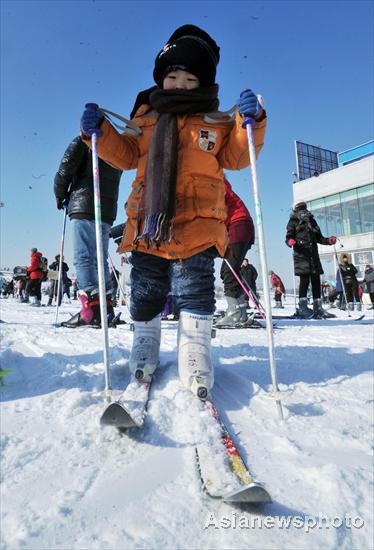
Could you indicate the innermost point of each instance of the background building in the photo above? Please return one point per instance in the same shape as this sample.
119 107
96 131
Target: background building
341 199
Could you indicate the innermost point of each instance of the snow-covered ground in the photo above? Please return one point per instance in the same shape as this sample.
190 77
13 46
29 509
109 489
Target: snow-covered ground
68 483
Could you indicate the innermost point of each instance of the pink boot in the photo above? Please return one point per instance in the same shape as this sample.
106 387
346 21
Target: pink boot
86 313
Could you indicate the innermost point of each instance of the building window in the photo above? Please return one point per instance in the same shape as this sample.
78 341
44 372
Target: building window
317 207
313 161
334 215
346 213
366 204
351 212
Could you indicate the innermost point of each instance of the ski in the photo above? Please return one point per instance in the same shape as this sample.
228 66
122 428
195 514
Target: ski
296 318
129 410
225 475
251 324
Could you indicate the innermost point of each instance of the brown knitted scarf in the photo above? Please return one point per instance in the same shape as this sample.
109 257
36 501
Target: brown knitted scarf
157 208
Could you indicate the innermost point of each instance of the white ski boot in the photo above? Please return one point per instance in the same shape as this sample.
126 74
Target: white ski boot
145 348
194 361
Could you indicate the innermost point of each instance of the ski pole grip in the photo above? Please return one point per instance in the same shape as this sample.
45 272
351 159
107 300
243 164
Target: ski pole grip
97 131
248 120
92 106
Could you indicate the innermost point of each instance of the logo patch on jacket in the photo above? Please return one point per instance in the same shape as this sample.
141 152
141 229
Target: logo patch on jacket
207 139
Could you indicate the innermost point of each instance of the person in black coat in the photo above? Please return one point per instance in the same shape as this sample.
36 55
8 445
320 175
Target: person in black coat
55 266
348 274
369 283
249 274
303 235
74 184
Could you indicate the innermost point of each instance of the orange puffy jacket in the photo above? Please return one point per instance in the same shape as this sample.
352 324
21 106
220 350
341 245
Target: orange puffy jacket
206 148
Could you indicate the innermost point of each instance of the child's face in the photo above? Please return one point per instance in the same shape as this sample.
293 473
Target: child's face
180 80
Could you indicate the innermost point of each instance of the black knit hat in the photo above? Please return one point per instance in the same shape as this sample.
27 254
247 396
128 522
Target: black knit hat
191 49
300 206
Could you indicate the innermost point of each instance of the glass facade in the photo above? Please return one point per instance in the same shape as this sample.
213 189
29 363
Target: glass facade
346 213
312 160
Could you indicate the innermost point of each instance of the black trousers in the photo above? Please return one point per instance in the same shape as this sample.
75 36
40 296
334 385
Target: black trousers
351 290
314 279
230 285
34 288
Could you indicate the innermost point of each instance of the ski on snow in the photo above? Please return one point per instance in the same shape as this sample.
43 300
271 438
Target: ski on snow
297 318
128 411
226 477
224 474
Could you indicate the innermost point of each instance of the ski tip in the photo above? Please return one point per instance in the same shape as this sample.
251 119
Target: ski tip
255 493
117 417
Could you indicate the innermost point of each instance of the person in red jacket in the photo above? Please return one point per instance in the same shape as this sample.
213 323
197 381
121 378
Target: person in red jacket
278 286
35 274
241 232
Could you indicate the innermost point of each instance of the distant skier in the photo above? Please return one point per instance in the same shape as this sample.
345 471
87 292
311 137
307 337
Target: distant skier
54 266
278 287
250 275
35 275
176 210
74 183
241 237
303 235
369 283
348 273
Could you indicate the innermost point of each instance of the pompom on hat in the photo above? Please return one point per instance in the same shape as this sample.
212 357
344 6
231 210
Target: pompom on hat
191 49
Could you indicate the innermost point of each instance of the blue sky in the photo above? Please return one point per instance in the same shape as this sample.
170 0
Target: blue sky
311 60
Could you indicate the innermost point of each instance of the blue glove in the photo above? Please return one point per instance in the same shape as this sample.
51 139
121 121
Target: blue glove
91 120
249 106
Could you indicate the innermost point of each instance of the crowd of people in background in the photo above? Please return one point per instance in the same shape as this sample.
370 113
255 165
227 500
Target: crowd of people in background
23 288
28 284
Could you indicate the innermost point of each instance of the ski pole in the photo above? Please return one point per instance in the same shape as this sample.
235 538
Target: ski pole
255 299
341 280
243 287
95 133
60 264
116 277
261 237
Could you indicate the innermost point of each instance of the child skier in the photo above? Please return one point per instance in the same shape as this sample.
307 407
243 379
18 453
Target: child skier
176 210
279 289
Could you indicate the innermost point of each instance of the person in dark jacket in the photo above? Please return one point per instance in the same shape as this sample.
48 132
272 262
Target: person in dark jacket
369 283
35 277
348 274
303 235
241 237
74 183
54 266
249 275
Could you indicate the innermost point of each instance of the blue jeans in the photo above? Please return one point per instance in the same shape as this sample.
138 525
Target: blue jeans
85 260
191 281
